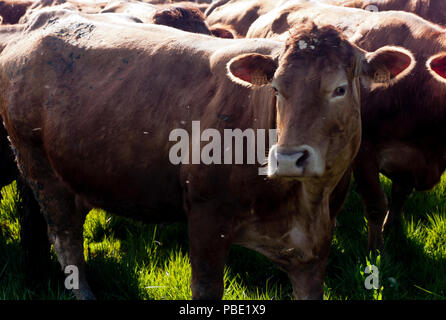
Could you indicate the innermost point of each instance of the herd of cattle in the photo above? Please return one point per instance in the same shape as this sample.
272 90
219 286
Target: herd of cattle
90 91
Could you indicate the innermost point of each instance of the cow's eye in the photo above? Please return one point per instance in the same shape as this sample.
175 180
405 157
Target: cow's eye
276 92
340 91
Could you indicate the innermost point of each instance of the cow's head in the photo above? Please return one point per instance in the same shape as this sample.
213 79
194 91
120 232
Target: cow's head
316 82
185 18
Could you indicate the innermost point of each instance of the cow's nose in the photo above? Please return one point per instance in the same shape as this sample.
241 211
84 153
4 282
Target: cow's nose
302 161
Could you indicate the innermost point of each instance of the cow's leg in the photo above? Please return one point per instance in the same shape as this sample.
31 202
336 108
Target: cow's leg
374 200
34 236
400 192
210 239
34 239
65 216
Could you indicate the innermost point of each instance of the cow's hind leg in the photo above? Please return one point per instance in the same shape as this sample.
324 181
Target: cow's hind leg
34 239
65 215
34 236
210 239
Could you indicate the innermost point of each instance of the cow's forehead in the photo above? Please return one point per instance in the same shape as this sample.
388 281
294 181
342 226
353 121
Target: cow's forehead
321 50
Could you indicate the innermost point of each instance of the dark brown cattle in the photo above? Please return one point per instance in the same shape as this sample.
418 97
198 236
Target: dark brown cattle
96 130
404 127
185 18
12 10
202 6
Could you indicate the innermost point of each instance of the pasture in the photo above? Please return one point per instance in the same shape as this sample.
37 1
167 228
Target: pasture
129 260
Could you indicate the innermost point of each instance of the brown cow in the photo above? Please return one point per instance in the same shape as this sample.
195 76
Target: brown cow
403 127
143 11
223 31
34 240
184 17
87 7
7 33
80 149
187 18
239 14
201 5
12 10
432 10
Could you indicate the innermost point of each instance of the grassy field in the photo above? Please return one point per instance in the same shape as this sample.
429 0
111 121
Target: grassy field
128 260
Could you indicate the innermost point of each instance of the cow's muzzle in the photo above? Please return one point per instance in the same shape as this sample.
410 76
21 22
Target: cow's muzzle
301 161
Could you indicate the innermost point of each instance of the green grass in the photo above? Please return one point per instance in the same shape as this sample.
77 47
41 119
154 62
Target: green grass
129 260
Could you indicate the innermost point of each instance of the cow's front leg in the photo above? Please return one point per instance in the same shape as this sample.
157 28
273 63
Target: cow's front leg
400 192
374 200
210 239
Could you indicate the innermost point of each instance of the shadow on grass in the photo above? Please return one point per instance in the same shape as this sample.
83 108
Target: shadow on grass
411 266
112 277
13 285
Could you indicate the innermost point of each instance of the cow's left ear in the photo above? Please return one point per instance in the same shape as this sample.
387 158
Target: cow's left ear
437 66
252 69
385 66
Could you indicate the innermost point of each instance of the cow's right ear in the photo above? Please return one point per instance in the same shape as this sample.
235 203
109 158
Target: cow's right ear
252 69
385 66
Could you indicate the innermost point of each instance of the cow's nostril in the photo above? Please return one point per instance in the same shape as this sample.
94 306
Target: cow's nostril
301 161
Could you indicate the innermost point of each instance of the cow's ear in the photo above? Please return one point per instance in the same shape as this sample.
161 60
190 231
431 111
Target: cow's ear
437 66
385 66
251 69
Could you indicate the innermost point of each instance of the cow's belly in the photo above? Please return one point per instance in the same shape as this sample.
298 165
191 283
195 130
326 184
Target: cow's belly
153 198
133 179
410 164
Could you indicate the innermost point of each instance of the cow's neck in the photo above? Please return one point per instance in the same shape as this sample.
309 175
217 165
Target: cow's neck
312 198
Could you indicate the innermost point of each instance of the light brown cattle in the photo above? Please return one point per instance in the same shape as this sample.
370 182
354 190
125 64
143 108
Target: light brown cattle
432 10
83 6
143 11
97 130
7 33
403 127
183 17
